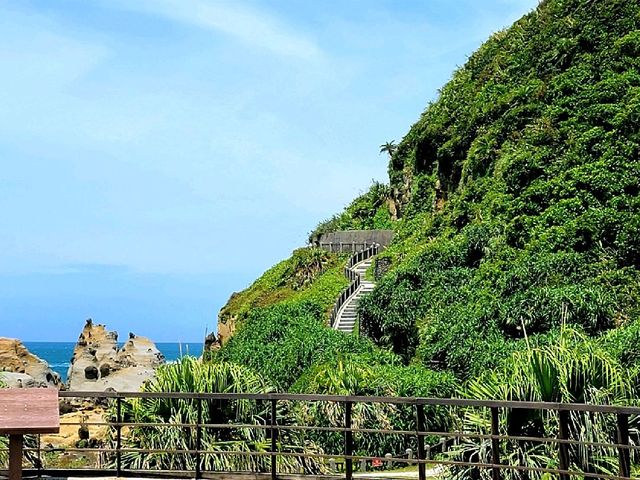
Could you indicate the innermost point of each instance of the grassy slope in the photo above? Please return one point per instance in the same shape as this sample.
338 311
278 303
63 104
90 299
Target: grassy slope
275 286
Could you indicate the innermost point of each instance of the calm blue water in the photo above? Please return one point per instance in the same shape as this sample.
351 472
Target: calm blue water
58 354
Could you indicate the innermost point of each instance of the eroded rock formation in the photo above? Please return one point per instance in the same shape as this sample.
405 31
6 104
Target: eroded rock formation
21 368
99 364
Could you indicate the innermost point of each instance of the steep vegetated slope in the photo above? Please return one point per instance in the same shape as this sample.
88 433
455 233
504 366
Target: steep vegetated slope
310 274
515 202
519 193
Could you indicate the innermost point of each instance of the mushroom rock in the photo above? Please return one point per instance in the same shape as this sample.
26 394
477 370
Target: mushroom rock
98 364
21 368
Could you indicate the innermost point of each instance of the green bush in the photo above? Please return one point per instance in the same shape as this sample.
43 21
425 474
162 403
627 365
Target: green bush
284 340
369 211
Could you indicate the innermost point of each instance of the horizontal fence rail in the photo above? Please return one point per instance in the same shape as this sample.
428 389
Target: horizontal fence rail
345 247
442 451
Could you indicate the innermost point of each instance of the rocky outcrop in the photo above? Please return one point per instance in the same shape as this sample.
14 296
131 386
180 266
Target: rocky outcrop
213 342
21 368
99 364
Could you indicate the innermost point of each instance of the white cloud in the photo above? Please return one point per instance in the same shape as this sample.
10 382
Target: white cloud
251 26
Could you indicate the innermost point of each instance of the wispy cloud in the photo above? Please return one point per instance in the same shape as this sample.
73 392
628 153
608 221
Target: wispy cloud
253 27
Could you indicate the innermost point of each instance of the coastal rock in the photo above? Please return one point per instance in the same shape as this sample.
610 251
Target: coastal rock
227 323
212 342
99 364
21 368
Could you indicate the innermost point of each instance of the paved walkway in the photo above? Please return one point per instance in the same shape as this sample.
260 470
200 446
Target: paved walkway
403 474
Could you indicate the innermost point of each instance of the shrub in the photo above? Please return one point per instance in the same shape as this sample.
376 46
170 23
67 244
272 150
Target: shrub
284 340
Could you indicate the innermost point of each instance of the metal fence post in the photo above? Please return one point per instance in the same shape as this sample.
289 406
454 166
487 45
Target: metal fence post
348 441
16 446
624 459
495 443
563 434
422 471
119 437
198 438
39 465
274 440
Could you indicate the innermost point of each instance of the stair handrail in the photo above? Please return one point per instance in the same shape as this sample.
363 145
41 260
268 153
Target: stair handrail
355 279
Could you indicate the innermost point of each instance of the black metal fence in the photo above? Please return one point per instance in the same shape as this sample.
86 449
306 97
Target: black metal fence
622 443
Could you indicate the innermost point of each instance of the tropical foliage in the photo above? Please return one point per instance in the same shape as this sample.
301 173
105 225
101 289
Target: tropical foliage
389 148
366 375
514 272
567 367
167 417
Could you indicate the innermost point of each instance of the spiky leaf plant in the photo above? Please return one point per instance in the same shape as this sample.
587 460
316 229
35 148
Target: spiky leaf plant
167 415
362 375
570 368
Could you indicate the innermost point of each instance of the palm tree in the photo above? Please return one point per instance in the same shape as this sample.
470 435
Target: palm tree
389 148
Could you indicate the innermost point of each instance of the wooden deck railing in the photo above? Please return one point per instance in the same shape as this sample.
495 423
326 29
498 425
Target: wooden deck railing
623 440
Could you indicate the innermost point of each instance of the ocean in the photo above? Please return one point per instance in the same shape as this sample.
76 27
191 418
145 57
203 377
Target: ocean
58 354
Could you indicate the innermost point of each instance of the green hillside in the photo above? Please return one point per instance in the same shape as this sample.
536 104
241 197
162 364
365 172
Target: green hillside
519 193
515 203
513 274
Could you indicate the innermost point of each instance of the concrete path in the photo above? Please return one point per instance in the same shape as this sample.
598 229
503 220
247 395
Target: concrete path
348 314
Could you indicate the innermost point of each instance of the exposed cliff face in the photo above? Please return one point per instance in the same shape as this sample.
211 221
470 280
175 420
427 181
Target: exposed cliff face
21 368
98 363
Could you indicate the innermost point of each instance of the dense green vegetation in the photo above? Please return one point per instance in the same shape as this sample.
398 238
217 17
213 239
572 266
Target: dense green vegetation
517 197
309 275
564 366
514 270
519 194
284 340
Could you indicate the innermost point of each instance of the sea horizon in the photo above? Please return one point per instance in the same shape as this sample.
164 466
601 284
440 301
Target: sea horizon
58 354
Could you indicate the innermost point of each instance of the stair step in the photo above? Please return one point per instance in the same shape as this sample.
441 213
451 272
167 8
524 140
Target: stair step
348 316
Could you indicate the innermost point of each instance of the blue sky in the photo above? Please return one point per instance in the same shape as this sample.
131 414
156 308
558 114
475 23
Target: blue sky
157 155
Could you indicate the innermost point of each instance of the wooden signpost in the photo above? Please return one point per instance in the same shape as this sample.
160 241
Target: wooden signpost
23 412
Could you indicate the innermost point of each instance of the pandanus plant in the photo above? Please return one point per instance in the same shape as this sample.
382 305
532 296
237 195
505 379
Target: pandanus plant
167 415
571 368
